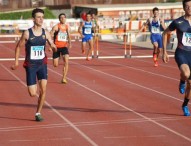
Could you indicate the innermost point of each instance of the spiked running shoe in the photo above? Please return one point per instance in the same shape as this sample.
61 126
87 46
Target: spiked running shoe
182 86
64 81
155 57
88 59
186 111
156 64
38 118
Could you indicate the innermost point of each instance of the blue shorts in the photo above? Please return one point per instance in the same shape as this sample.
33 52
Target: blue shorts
87 38
157 38
62 51
34 71
183 57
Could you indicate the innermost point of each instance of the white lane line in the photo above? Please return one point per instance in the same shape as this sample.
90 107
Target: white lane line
162 64
91 123
141 70
59 114
129 82
125 137
129 109
32 140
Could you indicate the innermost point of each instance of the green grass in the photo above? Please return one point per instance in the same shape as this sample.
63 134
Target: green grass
24 15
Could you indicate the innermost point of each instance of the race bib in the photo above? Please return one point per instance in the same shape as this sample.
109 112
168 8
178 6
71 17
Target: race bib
62 36
186 39
88 31
37 52
155 29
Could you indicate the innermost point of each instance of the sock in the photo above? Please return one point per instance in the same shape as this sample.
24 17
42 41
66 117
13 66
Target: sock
37 114
185 103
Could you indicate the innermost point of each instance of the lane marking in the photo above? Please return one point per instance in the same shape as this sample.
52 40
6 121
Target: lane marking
91 123
129 109
32 140
58 113
141 70
125 137
127 81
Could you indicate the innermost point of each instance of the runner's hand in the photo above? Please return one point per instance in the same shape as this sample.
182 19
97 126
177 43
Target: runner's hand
53 47
165 58
14 67
49 49
82 36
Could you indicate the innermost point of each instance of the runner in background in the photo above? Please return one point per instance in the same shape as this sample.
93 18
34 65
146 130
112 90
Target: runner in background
183 52
35 62
62 39
121 30
154 23
95 30
85 30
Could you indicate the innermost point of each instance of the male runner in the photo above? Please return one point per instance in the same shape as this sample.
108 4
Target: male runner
62 40
35 62
183 52
85 30
155 24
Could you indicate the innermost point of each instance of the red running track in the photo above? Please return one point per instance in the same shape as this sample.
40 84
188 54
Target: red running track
111 102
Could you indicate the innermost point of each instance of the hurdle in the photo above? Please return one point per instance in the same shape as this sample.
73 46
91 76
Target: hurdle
127 45
15 36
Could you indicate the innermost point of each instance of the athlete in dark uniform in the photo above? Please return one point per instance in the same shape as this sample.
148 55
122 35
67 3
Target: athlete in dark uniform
35 60
182 26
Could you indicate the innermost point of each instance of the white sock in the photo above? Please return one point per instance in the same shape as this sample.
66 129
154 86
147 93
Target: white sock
37 114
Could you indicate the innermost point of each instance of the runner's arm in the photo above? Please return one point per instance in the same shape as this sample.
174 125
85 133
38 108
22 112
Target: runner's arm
144 25
164 53
54 29
69 38
21 42
80 29
50 41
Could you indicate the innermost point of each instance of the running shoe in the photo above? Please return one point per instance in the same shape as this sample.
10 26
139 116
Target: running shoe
186 111
182 86
38 118
156 64
88 59
155 57
64 81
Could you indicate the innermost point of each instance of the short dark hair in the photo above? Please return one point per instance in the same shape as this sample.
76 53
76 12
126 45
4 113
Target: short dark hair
37 10
184 2
89 13
61 15
155 9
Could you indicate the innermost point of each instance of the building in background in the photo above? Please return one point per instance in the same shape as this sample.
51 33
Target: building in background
23 4
123 9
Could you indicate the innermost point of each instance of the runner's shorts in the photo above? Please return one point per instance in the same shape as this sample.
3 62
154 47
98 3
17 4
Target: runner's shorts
157 38
183 57
34 71
87 38
62 51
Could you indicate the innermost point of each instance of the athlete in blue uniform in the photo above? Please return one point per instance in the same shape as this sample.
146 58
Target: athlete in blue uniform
155 24
35 60
183 51
85 30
